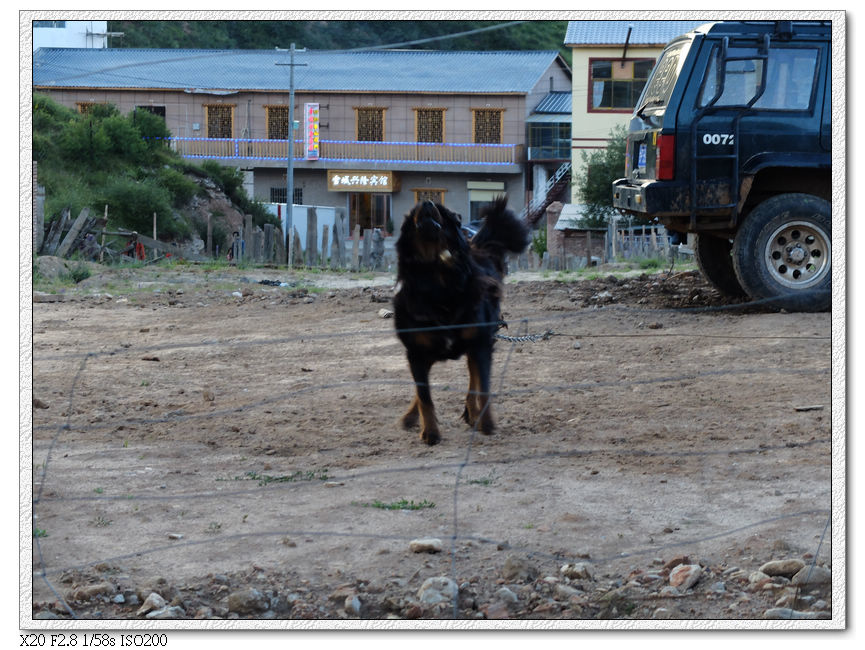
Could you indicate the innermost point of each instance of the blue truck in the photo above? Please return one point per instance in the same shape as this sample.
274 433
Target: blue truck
731 139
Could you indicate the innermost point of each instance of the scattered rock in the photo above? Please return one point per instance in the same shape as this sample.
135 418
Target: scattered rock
437 590
684 576
385 313
495 611
426 545
812 575
352 605
787 568
152 603
88 592
167 613
247 601
777 613
577 571
518 569
507 596
39 404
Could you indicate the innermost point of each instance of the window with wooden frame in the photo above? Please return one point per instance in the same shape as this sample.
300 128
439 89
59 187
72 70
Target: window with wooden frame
277 122
434 194
85 107
369 124
487 125
429 124
220 120
150 108
615 84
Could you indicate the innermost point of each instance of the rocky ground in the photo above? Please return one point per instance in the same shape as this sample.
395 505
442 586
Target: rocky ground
224 444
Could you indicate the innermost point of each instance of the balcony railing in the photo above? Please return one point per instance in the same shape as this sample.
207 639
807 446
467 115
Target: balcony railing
352 151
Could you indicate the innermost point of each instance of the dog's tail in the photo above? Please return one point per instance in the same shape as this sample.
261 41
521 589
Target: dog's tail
502 231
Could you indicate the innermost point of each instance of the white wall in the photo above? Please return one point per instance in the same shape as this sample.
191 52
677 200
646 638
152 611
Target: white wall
76 33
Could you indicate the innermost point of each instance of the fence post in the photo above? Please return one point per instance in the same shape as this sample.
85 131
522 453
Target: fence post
337 256
209 236
367 249
268 242
66 246
298 249
102 243
355 249
324 242
311 237
279 241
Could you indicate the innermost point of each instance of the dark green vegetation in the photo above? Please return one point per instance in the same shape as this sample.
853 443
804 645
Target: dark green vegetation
341 34
105 158
595 189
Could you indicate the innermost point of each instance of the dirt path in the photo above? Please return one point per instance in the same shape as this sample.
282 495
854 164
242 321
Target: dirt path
233 446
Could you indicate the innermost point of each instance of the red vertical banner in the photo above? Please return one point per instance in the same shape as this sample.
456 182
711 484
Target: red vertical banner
311 133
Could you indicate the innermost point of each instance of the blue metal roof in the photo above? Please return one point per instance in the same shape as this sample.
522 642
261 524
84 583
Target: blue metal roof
557 101
321 70
614 32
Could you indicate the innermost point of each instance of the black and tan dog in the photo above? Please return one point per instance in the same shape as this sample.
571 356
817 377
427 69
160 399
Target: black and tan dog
447 302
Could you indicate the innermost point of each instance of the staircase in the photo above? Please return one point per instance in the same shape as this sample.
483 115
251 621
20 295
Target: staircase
556 184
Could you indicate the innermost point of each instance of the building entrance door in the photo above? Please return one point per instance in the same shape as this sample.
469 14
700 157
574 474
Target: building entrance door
369 210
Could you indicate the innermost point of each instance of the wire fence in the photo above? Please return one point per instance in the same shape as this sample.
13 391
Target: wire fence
512 389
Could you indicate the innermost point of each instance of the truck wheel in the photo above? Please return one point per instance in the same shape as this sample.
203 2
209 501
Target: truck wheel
783 251
713 256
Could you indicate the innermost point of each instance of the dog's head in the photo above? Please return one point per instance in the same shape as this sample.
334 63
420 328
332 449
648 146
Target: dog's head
430 232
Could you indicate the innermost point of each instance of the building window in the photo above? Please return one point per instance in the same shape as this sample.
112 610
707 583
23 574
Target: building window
370 124
430 124
615 85
549 140
429 194
277 122
487 125
85 107
156 110
278 194
49 23
220 120
480 195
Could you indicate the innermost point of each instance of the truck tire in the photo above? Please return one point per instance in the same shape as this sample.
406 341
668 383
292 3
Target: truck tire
713 256
783 252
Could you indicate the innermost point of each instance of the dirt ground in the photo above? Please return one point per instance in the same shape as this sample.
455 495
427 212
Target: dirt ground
233 446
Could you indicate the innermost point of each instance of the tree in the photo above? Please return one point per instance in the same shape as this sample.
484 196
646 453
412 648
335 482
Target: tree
594 188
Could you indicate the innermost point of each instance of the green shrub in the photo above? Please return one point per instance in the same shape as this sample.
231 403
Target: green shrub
539 241
133 203
181 189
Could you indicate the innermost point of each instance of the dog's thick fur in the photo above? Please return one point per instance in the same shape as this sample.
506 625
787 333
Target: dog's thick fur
447 302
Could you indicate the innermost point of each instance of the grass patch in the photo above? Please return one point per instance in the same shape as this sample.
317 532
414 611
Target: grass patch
486 481
396 505
266 479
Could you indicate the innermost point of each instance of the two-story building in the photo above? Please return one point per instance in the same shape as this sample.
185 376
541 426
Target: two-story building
375 131
611 63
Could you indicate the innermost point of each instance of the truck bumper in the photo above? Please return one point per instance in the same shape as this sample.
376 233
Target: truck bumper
651 198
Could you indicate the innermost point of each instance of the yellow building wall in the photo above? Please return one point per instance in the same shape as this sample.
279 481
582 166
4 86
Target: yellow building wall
590 130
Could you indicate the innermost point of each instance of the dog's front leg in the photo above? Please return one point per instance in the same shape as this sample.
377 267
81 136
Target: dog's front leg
422 404
480 367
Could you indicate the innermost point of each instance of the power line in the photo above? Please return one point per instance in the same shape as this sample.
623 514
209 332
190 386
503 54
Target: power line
436 38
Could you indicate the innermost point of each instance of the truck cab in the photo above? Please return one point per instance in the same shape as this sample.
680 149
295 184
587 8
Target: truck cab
731 140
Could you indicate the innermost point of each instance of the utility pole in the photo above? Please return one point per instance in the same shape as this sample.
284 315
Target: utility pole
289 174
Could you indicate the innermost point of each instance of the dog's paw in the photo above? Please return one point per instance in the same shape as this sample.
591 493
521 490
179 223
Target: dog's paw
487 428
409 420
430 437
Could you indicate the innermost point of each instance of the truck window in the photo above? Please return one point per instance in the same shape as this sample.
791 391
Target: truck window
789 78
660 85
